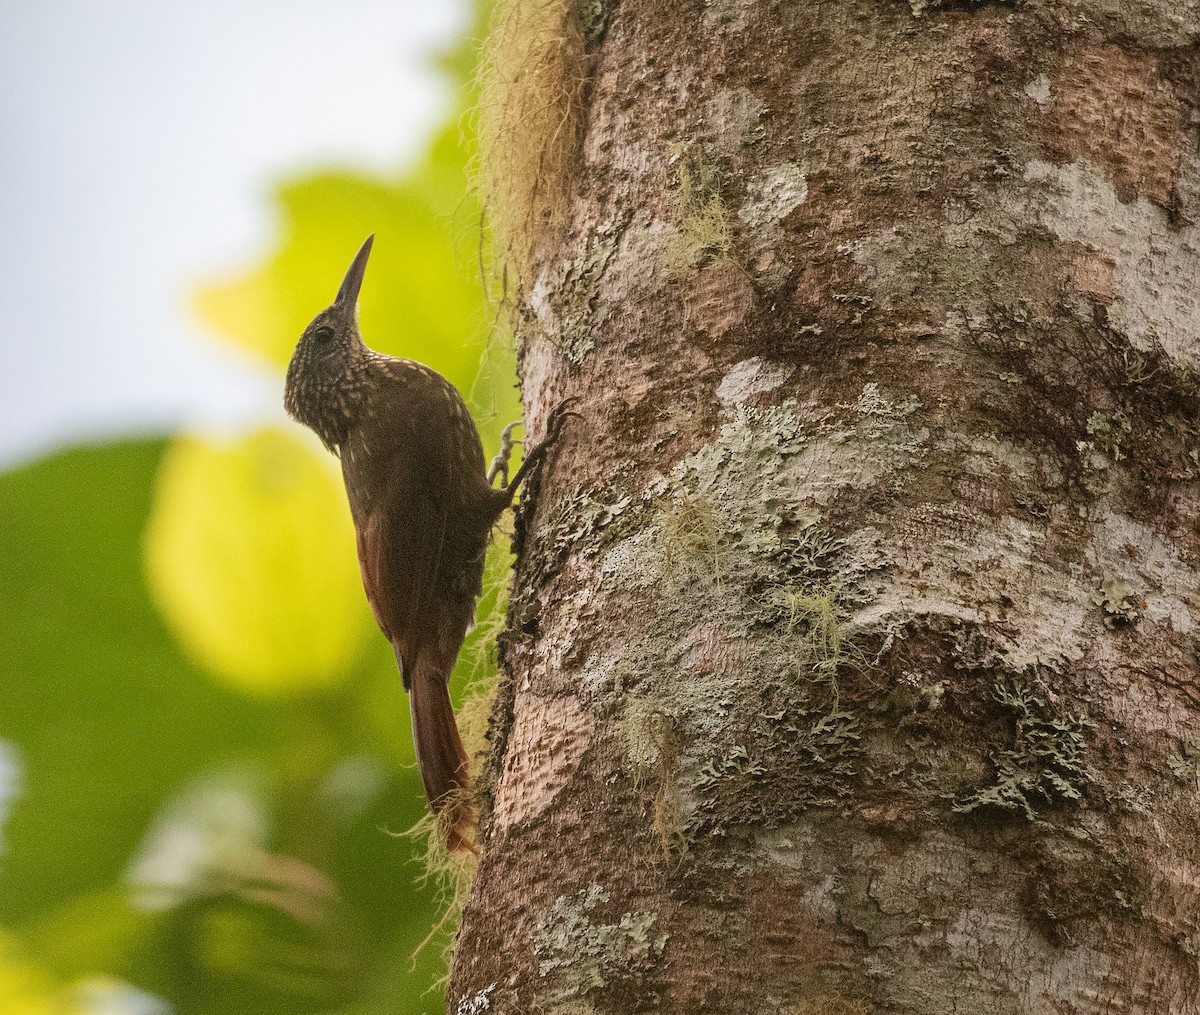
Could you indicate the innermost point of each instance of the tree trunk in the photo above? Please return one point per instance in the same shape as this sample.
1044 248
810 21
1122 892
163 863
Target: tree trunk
853 662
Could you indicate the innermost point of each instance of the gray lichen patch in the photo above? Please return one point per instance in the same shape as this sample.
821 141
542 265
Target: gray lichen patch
576 521
477 1003
565 303
639 562
1122 606
733 489
1184 763
1108 434
574 1006
871 402
763 733
577 955
877 443
1046 764
593 21
800 755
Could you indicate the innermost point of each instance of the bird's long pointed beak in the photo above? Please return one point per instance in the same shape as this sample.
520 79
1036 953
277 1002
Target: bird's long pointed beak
348 293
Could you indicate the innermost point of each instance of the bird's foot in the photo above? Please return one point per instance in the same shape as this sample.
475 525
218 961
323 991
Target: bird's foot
499 466
554 426
558 418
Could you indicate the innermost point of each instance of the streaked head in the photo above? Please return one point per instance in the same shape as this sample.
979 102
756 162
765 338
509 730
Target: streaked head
327 366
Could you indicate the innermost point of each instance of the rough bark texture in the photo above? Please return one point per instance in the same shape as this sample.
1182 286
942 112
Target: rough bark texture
853 654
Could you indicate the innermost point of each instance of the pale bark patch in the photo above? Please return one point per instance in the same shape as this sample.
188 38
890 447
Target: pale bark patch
546 745
734 115
774 193
751 377
1039 89
1151 565
719 299
947 556
1155 266
1010 951
1112 109
637 266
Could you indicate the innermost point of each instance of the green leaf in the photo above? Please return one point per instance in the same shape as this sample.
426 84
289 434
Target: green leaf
25 988
104 715
250 553
99 931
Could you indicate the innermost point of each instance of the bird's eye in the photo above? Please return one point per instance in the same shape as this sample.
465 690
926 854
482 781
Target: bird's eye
323 334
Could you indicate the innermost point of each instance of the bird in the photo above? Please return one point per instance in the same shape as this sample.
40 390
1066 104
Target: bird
423 509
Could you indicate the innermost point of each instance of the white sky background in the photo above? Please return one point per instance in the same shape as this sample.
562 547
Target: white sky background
138 143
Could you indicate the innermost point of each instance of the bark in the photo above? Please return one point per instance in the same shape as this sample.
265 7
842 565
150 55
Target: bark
852 662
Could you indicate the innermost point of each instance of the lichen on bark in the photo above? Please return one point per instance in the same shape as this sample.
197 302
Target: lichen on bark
855 630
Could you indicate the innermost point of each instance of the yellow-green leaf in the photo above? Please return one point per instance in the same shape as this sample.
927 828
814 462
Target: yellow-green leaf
250 552
421 298
25 989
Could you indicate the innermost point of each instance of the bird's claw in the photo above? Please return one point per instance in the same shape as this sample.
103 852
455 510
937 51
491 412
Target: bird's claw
499 466
554 424
559 416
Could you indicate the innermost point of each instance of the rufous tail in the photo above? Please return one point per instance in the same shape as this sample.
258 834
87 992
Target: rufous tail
441 759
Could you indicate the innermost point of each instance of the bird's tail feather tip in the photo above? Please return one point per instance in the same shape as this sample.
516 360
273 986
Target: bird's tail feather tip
456 819
442 759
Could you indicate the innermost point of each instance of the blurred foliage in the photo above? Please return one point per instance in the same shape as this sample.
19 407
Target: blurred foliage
271 603
204 744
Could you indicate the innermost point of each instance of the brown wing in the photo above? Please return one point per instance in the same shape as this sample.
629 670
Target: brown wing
399 481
